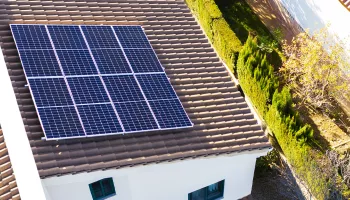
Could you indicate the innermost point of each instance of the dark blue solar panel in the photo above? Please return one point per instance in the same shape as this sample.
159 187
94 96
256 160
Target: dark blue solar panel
143 60
156 86
76 62
40 63
50 92
136 116
123 88
99 119
60 122
53 97
67 37
100 37
111 61
170 113
132 37
87 90
31 37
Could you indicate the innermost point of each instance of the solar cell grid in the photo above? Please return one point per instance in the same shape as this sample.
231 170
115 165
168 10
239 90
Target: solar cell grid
66 37
105 80
170 113
87 90
132 37
31 37
50 92
111 61
136 116
99 119
143 60
123 88
100 37
156 86
40 63
61 122
76 62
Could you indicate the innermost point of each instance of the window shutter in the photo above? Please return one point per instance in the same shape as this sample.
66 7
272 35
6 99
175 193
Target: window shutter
108 186
102 188
96 190
92 192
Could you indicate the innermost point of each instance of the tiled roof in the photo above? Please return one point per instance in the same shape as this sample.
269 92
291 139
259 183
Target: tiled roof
223 121
8 185
346 3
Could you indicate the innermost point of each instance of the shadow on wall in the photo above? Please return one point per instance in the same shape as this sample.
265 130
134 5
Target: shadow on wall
306 13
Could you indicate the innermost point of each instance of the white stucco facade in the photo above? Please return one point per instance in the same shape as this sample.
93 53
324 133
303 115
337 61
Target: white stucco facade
163 181
19 150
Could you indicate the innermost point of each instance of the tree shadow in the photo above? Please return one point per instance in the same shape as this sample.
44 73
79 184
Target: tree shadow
243 20
279 178
319 141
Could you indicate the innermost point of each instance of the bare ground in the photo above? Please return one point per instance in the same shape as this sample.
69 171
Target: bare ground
277 184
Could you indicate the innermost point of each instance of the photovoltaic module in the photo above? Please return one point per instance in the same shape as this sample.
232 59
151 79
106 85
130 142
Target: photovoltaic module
96 80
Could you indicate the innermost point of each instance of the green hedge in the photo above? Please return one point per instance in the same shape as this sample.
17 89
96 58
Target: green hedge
259 82
217 29
256 74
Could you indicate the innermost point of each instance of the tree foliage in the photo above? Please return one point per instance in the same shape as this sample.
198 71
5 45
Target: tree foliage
314 68
217 29
275 104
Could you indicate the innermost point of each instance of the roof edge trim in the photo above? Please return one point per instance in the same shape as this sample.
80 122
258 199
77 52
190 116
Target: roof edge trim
20 152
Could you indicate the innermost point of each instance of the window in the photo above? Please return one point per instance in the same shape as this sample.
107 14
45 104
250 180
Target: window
102 189
211 192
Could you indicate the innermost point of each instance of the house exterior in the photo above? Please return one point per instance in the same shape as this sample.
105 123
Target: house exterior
214 159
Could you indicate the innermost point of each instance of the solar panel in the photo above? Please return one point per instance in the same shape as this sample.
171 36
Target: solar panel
62 121
99 119
143 60
132 37
96 80
66 37
100 37
136 116
49 92
169 113
76 62
156 86
31 37
40 63
111 61
127 89
87 90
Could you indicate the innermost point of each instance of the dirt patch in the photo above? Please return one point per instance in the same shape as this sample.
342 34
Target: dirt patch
276 185
331 132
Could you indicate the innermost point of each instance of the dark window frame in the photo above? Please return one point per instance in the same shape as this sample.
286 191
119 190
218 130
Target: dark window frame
102 188
210 196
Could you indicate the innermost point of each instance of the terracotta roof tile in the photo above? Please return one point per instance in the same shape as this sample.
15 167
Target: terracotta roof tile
223 121
8 186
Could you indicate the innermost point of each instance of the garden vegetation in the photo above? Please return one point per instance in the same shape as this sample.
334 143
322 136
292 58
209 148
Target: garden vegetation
255 68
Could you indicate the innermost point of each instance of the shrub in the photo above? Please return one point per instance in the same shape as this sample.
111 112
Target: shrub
217 29
256 75
259 82
261 85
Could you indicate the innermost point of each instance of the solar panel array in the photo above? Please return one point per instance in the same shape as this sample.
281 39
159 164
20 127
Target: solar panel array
96 80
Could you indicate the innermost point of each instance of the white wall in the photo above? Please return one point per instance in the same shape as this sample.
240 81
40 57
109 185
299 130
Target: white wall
316 14
164 181
17 143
